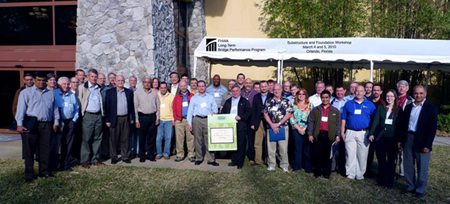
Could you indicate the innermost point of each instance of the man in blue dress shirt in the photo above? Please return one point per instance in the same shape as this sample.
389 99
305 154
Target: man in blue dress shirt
356 118
68 107
202 105
36 113
216 90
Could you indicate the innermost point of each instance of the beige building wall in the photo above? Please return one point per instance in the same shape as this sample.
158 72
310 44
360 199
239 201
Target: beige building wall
235 18
239 18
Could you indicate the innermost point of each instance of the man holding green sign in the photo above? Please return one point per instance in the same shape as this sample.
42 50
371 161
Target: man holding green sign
239 108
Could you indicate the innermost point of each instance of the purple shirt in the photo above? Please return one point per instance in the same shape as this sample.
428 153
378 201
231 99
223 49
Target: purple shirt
249 95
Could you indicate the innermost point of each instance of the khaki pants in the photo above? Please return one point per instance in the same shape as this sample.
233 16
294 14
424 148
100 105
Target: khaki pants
200 129
182 128
259 139
357 149
282 150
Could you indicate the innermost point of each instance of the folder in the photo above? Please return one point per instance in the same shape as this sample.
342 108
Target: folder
277 137
334 148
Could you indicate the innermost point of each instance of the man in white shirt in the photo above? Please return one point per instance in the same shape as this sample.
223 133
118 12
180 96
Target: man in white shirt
315 99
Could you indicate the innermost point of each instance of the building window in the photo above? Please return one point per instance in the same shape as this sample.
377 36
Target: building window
38 22
180 23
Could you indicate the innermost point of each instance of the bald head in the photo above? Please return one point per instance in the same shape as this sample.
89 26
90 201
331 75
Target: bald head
216 80
248 84
360 92
277 90
183 86
419 94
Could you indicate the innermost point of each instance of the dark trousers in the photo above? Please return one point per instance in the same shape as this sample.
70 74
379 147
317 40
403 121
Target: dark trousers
238 157
147 136
301 152
370 157
250 144
291 147
104 152
77 140
40 137
386 150
341 158
134 140
66 144
119 135
322 161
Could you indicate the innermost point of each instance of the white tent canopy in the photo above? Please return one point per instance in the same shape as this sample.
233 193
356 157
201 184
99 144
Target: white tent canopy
352 53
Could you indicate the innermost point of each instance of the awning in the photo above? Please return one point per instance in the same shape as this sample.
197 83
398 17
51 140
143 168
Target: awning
352 53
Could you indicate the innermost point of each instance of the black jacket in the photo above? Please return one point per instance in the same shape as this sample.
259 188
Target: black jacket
244 111
258 110
426 126
111 106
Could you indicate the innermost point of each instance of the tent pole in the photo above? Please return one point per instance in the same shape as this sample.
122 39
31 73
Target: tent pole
195 66
281 71
278 71
371 71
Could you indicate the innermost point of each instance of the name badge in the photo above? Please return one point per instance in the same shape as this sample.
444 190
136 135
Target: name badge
216 95
185 104
203 105
234 108
388 121
163 105
357 111
324 119
66 104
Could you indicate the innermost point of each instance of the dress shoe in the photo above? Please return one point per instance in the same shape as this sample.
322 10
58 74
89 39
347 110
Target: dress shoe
166 157
142 160
419 195
254 164
113 161
158 157
86 166
213 163
192 159
231 164
28 180
128 161
98 164
178 159
198 162
239 167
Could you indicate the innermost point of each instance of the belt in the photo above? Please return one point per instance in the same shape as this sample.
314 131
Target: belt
365 129
411 132
202 117
122 115
92 113
45 122
183 117
144 114
68 119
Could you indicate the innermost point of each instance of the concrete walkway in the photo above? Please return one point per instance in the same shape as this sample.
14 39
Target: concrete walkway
11 148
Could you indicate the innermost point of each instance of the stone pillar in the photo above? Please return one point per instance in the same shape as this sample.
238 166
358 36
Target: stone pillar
120 35
196 32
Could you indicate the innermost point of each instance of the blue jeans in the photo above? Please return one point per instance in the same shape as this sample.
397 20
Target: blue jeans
164 131
301 151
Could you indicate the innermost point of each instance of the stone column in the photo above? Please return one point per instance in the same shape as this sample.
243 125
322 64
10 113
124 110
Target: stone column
196 32
120 35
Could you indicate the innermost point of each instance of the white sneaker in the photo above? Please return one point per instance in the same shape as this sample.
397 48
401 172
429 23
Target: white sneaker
285 170
270 168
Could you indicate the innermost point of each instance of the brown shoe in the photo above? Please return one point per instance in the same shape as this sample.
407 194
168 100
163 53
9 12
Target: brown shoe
254 164
158 157
86 166
99 164
166 157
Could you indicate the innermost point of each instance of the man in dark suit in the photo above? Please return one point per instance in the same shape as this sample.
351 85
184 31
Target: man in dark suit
239 106
258 124
119 115
417 130
174 87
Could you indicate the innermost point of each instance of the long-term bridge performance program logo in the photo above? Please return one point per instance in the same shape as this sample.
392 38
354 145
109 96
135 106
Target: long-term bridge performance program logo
211 44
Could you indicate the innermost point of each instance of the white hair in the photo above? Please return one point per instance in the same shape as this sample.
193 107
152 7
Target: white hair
61 79
403 82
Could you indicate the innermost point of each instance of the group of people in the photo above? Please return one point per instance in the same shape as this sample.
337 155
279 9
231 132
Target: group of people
320 133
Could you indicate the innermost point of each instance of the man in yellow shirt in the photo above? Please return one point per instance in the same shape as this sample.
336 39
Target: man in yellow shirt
166 122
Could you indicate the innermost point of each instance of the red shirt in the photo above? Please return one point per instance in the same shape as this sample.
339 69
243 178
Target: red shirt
402 100
324 125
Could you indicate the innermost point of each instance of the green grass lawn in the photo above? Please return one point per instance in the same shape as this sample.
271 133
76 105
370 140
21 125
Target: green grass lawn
108 184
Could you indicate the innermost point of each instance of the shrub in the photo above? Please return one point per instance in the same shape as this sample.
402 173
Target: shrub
444 122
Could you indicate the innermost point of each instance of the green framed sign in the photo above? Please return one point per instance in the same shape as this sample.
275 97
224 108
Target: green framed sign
222 133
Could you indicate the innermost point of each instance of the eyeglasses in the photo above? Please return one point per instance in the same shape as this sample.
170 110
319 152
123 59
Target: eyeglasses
301 94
